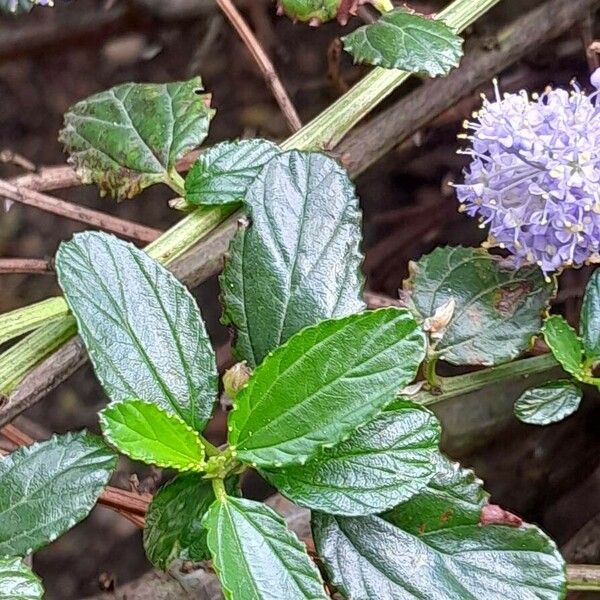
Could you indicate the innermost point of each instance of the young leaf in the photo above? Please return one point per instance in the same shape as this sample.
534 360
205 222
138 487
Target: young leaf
141 327
130 136
222 174
368 557
145 432
497 310
548 403
565 345
48 487
383 463
309 10
18 582
590 318
255 556
403 40
322 384
174 520
299 261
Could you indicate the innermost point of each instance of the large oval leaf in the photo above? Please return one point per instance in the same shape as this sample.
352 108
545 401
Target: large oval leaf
255 555
497 309
141 327
130 136
383 463
400 39
299 261
590 318
18 582
322 384
46 488
548 403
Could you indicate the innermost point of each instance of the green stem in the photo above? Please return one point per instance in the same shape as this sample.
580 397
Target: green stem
219 489
324 131
583 578
23 320
450 387
176 182
209 448
431 376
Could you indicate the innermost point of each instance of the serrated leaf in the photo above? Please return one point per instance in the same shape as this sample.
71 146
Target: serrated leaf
315 390
130 136
590 318
453 497
174 520
548 403
222 174
566 346
141 327
256 557
367 557
497 309
145 432
299 261
307 10
403 40
48 487
383 463
18 582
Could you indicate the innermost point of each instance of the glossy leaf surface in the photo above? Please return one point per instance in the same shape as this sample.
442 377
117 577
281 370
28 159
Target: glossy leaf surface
322 384
298 262
18 582
141 327
548 403
565 344
590 318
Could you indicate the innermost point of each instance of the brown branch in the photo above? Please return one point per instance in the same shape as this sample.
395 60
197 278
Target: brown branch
78 213
263 62
25 265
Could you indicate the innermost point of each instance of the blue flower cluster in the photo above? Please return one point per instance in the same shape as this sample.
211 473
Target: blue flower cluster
535 175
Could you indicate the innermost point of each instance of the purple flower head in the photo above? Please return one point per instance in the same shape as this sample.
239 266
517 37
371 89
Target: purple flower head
535 176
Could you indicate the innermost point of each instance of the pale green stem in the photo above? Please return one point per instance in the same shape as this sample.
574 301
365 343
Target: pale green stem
585 578
322 132
219 489
23 320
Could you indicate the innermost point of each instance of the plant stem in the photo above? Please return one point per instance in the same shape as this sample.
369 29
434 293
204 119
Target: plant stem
219 488
209 448
23 320
583 578
430 375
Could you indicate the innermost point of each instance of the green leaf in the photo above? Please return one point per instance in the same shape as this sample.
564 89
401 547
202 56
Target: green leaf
307 10
565 345
452 498
174 520
48 487
18 582
590 318
222 174
16 7
315 390
548 403
299 261
145 432
130 136
498 310
141 327
368 557
255 555
403 40
383 463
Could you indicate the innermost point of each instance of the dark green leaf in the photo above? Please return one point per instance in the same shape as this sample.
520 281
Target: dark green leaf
308 10
173 524
322 384
255 555
222 174
590 318
131 136
18 582
368 557
403 40
548 403
453 497
141 327
46 488
145 432
299 261
498 310
565 345
383 463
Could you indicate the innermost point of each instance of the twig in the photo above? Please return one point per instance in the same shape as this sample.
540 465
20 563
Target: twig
263 62
583 577
25 265
78 213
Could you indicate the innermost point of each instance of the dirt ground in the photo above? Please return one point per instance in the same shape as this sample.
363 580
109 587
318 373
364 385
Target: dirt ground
547 475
